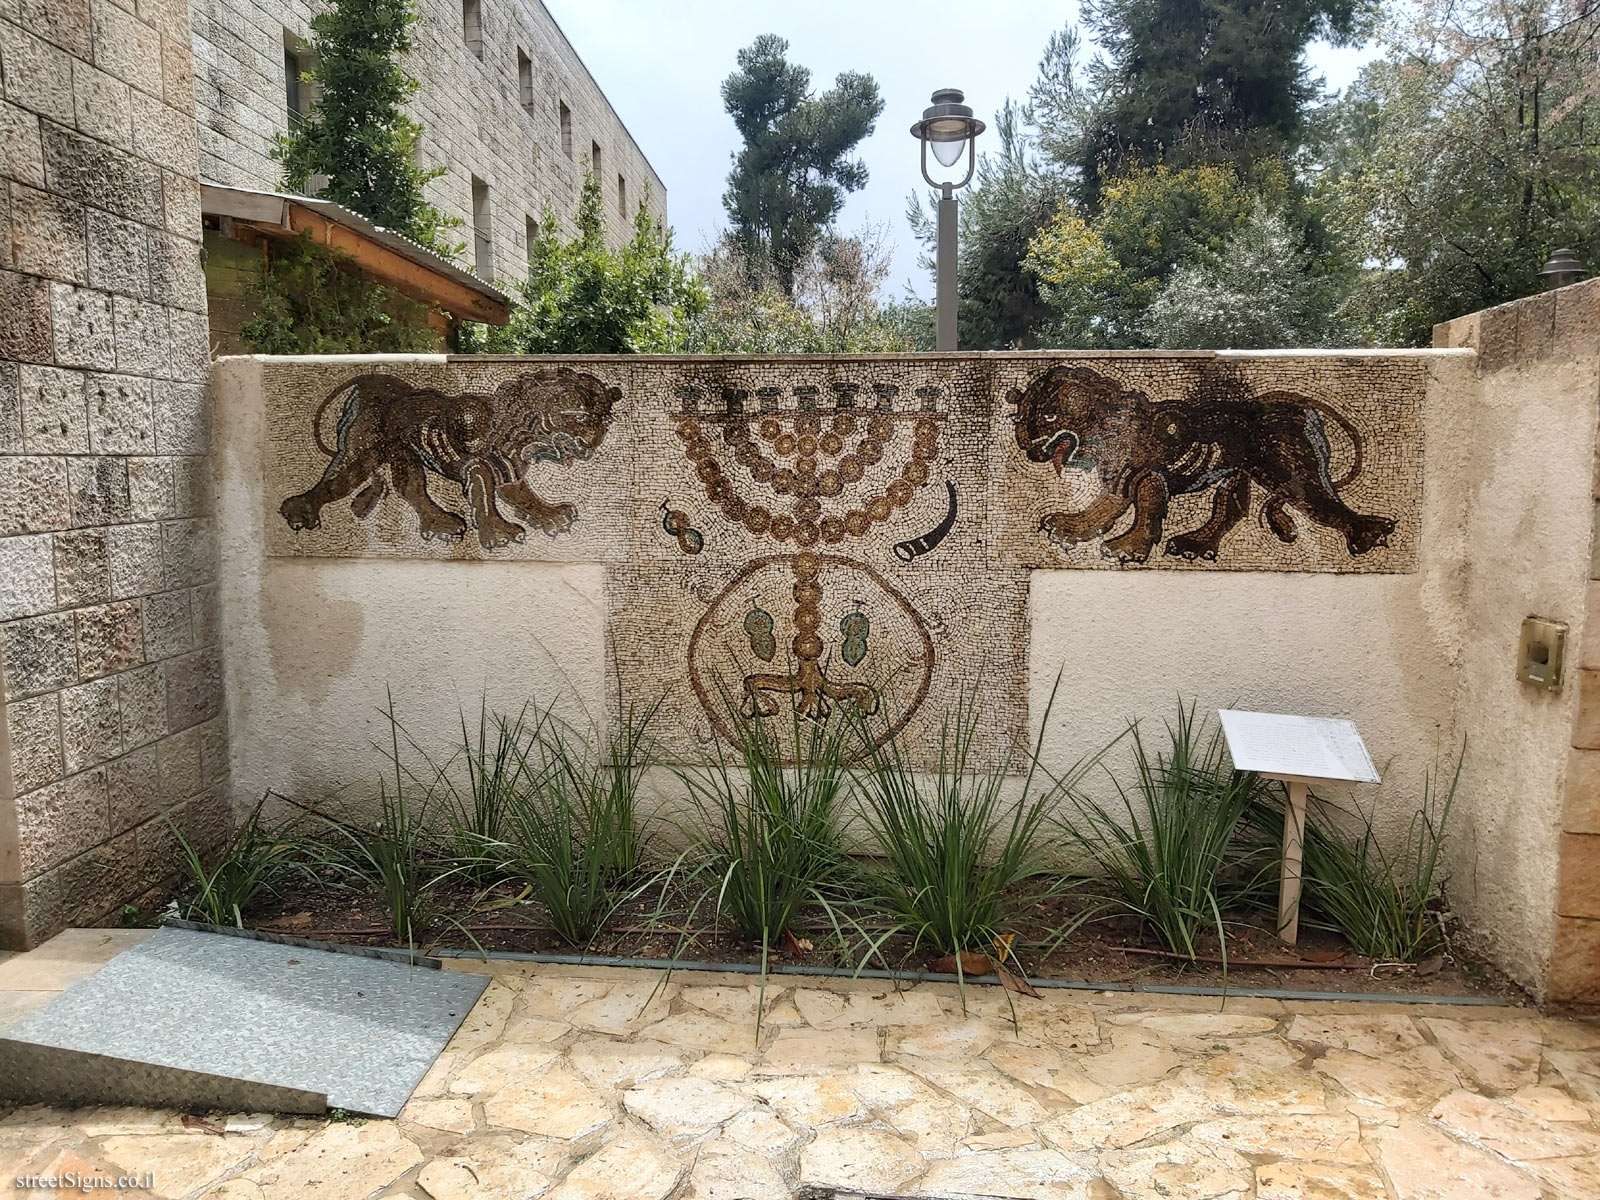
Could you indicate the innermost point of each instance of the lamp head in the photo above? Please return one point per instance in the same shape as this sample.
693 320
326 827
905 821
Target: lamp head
948 127
1562 268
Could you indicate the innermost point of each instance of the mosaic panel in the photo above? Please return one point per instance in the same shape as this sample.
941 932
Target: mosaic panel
1275 463
849 534
461 460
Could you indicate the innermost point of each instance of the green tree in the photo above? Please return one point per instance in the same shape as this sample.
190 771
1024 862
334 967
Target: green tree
1099 275
358 136
835 309
1259 291
791 177
582 297
1010 200
1469 152
1186 81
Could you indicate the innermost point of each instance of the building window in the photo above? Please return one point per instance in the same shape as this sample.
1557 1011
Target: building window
524 79
622 196
472 25
566 129
292 70
482 245
533 242
594 161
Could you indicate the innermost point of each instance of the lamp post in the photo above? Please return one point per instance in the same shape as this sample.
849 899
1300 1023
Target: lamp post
949 127
1561 269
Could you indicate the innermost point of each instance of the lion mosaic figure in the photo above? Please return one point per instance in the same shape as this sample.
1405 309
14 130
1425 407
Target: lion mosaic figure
483 442
1221 437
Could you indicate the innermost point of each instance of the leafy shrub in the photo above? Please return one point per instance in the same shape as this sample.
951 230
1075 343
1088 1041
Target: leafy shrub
251 863
308 300
1163 849
582 296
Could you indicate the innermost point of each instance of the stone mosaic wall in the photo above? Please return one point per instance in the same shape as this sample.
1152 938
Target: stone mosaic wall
514 147
108 626
847 532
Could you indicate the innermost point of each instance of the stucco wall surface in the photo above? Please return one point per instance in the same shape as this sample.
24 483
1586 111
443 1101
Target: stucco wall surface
1530 525
314 649
1421 654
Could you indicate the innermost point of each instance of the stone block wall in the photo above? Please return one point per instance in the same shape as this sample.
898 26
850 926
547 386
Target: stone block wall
516 148
110 665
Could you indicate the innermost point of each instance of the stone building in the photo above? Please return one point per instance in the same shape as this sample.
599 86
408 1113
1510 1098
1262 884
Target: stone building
507 108
112 734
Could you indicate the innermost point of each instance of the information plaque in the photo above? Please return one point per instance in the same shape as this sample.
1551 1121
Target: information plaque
1281 746
1299 751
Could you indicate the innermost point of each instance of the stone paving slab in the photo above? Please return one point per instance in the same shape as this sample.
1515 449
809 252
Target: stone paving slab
584 1083
202 1019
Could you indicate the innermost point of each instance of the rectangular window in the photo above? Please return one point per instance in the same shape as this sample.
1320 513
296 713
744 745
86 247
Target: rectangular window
472 25
594 162
482 245
566 129
291 87
524 79
622 196
533 240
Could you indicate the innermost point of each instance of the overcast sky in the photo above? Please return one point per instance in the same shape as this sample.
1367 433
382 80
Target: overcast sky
662 64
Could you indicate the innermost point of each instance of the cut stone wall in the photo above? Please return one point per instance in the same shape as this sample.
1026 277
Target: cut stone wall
109 631
514 148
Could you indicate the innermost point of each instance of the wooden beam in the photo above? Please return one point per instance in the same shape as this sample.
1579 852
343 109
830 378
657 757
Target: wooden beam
388 267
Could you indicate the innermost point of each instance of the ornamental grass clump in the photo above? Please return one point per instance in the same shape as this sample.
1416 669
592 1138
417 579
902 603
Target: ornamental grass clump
1166 849
958 862
770 830
495 764
401 855
252 863
573 834
1389 908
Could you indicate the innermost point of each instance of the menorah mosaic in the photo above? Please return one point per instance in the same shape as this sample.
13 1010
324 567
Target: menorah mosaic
848 536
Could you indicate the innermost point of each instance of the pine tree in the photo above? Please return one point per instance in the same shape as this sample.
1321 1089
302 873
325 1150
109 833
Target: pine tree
359 137
790 179
1195 81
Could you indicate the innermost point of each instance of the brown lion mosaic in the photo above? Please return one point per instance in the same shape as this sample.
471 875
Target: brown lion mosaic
484 443
1221 438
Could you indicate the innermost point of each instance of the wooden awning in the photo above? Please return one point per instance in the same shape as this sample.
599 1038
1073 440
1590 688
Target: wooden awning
388 257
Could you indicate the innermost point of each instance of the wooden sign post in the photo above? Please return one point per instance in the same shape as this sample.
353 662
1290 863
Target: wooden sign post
1298 752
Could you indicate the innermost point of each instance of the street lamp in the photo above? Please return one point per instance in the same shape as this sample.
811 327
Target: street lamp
1560 269
949 127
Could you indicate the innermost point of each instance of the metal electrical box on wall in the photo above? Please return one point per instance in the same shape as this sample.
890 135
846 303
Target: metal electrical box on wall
1541 652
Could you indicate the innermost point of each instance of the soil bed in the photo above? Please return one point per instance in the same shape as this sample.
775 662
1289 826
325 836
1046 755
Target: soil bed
1102 950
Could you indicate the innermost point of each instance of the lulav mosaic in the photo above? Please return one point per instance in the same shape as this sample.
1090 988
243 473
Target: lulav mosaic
836 535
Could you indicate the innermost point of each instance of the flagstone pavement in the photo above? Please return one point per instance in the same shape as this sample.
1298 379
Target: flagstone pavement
577 1083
